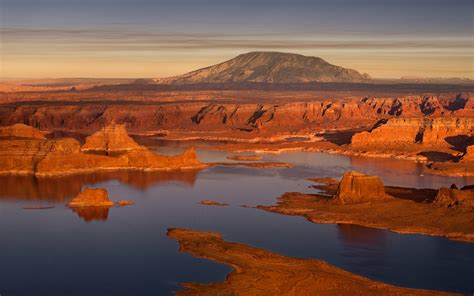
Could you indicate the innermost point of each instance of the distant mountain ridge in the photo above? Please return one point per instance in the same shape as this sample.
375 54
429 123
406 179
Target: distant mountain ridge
269 67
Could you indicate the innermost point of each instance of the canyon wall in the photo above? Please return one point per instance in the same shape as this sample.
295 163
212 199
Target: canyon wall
317 115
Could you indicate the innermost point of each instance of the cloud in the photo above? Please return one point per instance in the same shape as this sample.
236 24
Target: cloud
66 41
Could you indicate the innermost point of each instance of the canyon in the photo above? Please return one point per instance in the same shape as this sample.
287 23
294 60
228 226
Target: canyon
428 127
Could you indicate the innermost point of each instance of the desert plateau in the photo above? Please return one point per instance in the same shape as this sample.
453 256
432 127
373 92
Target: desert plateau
236 147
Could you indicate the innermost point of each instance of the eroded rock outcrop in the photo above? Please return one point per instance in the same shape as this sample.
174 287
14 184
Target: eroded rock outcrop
20 130
111 139
447 197
357 187
41 157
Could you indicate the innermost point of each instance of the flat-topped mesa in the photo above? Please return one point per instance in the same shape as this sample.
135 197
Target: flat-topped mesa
357 187
111 139
396 132
20 130
91 197
447 197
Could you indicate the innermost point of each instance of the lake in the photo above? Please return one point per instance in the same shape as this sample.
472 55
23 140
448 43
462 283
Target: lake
125 251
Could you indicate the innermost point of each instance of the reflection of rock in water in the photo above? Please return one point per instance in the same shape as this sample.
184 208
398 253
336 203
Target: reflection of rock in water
354 235
89 214
60 189
385 164
30 188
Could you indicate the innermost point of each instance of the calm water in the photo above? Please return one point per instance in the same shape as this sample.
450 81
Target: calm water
125 251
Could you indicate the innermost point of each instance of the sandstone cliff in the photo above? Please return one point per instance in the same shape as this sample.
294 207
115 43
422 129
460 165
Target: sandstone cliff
356 187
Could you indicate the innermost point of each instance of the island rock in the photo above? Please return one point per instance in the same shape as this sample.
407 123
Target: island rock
356 187
91 197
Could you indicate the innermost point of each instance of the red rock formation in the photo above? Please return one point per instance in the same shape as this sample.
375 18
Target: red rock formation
112 138
91 197
271 115
20 130
64 156
356 187
447 197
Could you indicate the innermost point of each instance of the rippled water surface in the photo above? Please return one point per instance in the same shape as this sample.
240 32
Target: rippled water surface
125 251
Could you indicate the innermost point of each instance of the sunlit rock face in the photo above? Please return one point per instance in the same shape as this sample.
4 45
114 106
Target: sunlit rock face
469 155
111 139
91 197
356 187
20 130
407 131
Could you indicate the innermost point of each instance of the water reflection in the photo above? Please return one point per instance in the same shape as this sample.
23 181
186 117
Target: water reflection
63 188
359 236
89 214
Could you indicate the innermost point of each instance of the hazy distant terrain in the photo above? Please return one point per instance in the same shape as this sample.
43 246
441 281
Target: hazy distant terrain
269 67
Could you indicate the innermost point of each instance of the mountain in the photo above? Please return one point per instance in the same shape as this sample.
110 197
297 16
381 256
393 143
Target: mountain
269 67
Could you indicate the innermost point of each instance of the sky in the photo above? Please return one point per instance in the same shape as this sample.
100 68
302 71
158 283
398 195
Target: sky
153 38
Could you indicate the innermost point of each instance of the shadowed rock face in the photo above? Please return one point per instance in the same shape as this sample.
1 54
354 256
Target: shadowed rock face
270 67
20 130
112 138
356 187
